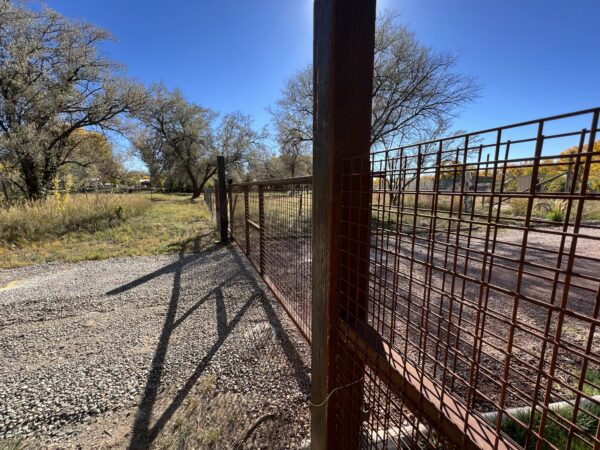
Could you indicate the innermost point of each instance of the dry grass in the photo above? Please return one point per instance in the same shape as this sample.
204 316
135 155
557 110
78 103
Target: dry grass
58 216
206 420
213 419
10 444
144 226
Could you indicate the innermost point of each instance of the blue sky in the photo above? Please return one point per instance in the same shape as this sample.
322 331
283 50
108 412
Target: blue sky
533 58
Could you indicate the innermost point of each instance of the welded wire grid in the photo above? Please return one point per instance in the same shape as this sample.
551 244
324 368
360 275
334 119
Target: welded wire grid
272 223
478 321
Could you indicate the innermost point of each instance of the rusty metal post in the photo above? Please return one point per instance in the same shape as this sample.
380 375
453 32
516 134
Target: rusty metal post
222 189
261 229
344 37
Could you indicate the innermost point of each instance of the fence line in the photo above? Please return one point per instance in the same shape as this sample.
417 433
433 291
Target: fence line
481 328
272 223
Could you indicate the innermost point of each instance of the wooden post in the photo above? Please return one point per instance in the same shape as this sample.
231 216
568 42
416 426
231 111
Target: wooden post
344 37
222 199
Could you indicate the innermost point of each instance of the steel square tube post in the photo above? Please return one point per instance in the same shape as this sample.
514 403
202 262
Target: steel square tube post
344 37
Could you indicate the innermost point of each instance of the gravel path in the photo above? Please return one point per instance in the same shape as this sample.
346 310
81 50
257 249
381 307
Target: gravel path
83 342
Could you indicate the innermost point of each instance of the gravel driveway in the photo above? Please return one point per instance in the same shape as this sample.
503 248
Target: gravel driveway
122 343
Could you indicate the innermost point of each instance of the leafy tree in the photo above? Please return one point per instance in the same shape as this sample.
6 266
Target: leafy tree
555 175
178 140
7 177
133 177
562 166
93 159
53 82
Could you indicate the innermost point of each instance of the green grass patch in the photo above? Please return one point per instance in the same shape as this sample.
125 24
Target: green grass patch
147 226
556 430
591 384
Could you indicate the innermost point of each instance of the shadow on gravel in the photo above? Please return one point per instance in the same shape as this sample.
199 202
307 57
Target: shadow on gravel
144 433
192 246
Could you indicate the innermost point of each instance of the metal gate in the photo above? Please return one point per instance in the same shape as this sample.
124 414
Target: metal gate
480 325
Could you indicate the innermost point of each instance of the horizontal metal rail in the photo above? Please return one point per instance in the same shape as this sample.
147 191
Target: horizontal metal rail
274 182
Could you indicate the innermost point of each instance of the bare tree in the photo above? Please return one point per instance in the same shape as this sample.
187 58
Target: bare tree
178 139
53 81
270 165
416 94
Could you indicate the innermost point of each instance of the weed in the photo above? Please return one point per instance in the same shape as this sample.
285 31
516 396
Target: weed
518 206
556 212
208 382
591 384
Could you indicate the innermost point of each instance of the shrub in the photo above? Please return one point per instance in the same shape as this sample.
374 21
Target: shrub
556 211
518 206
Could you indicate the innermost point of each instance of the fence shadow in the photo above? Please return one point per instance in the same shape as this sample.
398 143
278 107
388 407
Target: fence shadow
145 430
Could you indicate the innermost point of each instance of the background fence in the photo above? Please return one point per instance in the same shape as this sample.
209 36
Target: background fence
480 325
272 223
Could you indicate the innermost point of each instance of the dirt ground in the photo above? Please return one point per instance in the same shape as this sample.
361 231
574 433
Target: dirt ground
458 303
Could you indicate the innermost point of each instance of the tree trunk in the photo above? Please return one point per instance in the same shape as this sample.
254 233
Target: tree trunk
5 190
29 175
198 189
197 192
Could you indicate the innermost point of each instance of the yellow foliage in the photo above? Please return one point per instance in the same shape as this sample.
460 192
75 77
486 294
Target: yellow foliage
555 172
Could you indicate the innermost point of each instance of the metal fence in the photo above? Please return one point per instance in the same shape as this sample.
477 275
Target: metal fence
470 306
209 199
272 223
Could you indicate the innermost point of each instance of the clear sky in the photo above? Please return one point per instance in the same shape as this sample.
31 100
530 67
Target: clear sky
533 58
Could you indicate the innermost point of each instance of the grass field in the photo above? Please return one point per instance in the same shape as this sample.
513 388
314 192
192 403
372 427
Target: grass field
87 228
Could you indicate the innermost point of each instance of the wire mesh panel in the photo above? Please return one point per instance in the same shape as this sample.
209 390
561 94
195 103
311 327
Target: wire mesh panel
239 204
469 305
478 324
272 224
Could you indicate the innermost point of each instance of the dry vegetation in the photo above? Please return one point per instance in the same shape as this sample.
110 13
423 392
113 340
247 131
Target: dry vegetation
62 214
79 227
